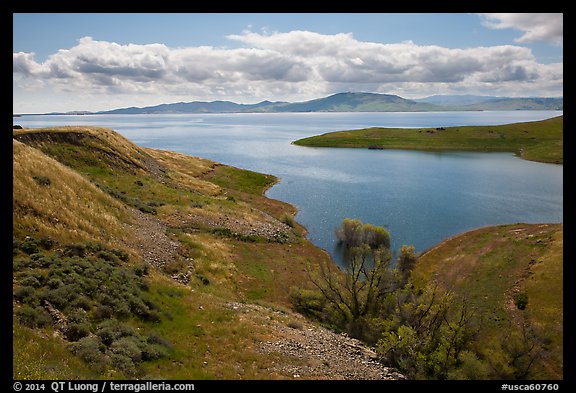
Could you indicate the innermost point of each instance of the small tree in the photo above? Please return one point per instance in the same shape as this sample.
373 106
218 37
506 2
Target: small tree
353 233
433 329
357 291
406 262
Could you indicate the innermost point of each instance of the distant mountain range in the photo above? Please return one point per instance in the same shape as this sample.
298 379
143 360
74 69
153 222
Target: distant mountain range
492 103
353 102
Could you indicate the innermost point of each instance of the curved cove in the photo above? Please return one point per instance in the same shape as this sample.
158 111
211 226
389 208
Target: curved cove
421 197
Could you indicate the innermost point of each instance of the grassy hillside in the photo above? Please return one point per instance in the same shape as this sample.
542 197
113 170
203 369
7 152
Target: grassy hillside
512 276
127 261
131 262
536 141
52 200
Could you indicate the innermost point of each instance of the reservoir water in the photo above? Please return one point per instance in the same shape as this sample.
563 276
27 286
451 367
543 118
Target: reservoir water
421 197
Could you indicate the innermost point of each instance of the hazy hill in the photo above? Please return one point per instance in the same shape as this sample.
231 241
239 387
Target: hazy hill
467 102
504 104
350 102
355 102
342 102
195 107
455 99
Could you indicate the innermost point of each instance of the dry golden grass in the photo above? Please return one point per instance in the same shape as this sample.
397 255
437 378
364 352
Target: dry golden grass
185 170
111 141
70 209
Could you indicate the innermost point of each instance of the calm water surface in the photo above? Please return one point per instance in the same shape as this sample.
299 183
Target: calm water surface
421 197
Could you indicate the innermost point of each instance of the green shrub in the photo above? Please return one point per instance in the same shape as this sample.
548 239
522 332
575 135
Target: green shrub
121 308
124 364
203 279
128 346
101 313
42 261
154 351
147 209
155 339
15 246
61 297
46 243
521 300
33 316
296 325
94 247
25 295
142 269
108 256
111 330
42 180
54 283
122 255
76 249
29 246
470 368
30 281
308 302
82 302
76 331
89 349
89 285
20 263
126 355
288 220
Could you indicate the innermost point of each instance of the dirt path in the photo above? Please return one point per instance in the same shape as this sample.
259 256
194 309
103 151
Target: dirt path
151 240
312 352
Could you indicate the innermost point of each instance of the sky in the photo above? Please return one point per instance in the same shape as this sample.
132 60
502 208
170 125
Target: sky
100 61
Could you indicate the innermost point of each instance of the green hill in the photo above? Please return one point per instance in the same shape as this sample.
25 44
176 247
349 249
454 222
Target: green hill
512 277
536 141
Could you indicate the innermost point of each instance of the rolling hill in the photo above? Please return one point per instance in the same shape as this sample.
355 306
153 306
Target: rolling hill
512 277
354 102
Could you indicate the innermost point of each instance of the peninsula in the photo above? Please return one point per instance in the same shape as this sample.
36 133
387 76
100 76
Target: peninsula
535 141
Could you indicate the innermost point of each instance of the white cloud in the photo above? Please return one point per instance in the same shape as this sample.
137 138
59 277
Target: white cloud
297 65
536 26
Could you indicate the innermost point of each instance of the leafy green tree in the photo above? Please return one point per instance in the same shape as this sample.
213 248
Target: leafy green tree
406 261
354 294
433 330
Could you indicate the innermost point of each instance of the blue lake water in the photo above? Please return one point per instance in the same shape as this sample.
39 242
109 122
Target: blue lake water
421 197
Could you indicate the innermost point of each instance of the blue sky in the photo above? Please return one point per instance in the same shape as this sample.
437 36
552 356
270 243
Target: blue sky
65 62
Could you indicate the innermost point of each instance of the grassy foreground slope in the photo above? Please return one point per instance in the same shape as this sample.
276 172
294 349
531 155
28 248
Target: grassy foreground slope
536 141
129 262
512 275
